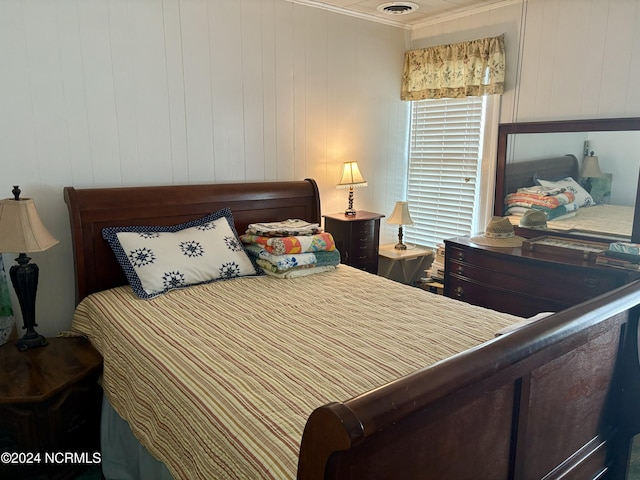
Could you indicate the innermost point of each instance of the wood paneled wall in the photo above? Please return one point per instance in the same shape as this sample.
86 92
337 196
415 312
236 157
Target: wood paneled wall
139 92
134 92
566 59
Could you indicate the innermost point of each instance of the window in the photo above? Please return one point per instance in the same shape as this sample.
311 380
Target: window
445 168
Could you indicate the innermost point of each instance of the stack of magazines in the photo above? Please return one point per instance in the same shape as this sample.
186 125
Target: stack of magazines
437 267
621 255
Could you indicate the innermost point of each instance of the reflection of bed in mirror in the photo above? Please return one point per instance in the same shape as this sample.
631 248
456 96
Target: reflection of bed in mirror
557 149
573 213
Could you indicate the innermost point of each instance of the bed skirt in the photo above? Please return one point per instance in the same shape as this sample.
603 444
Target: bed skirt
123 456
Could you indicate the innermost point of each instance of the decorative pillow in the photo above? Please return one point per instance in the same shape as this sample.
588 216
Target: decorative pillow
158 259
582 197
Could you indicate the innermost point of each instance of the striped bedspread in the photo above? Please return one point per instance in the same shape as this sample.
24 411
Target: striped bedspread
218 380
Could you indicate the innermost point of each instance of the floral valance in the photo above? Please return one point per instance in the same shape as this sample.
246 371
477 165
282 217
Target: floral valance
458 70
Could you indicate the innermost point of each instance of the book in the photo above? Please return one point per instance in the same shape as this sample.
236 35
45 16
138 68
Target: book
625 247
629 257
609 261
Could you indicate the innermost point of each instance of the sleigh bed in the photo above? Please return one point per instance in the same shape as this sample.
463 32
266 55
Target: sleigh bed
344 374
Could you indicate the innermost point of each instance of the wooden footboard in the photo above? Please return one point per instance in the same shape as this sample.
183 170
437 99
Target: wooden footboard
556 399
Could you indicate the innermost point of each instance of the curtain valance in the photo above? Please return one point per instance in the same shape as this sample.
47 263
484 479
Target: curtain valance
457 70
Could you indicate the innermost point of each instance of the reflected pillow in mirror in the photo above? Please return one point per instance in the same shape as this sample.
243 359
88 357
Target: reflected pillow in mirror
582 197
156 259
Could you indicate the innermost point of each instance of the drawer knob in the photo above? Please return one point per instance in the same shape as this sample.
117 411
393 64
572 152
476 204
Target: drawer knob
591 282
458 292
460 255
460 270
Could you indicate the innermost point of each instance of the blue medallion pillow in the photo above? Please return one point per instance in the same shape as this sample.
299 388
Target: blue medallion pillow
158 259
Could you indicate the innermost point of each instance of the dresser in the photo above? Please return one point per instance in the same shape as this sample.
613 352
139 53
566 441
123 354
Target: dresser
523 283
357 238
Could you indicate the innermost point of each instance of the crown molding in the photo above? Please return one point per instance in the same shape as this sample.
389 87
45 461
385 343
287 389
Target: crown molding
351 13
444 17
463 12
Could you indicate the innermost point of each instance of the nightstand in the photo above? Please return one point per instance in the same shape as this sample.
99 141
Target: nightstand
405 266
50 404
357 238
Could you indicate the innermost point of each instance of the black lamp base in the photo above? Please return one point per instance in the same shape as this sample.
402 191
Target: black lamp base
31 340
400 245
24 277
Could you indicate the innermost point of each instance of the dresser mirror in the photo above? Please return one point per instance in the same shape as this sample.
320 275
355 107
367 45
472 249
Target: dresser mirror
552 151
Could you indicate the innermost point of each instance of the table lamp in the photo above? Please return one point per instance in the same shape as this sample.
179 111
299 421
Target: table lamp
400 216
351 177
22 232
590 169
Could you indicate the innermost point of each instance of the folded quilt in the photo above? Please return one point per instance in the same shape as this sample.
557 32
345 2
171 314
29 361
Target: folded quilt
292 244
284 228
282 263
564 211
540 190
300 272
538 201
269 267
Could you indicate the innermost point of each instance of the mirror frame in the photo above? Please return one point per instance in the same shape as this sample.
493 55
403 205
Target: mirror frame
591 125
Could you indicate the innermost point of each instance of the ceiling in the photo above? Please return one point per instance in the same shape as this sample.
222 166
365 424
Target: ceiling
427 11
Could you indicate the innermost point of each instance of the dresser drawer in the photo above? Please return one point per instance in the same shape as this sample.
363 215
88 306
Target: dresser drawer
523 283
551 279
572 286
498 299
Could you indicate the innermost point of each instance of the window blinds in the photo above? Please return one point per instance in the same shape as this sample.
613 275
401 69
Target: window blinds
444 158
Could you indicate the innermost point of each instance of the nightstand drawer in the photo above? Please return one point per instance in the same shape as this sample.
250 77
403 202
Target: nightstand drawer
357 238
50 402
363 231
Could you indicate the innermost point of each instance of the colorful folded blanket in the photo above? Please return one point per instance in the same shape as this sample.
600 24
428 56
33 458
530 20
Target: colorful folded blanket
320 242
284 228
282 263
538 201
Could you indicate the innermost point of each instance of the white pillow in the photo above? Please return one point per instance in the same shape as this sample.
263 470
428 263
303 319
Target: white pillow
582 197
158 259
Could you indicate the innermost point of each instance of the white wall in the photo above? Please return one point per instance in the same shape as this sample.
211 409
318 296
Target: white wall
120 92
123 92
568 59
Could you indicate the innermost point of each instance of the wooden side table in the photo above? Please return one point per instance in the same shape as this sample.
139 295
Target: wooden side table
410 262
50 404
357 238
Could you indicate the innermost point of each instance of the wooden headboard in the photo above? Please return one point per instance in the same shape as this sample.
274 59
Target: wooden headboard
93 209
523 174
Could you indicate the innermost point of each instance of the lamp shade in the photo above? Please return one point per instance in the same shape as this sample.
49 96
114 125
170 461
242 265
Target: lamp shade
590 167
21 230
351 176
400 214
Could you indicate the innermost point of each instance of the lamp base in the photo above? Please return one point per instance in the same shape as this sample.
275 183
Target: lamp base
31 340
350 211
24 277
400 245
